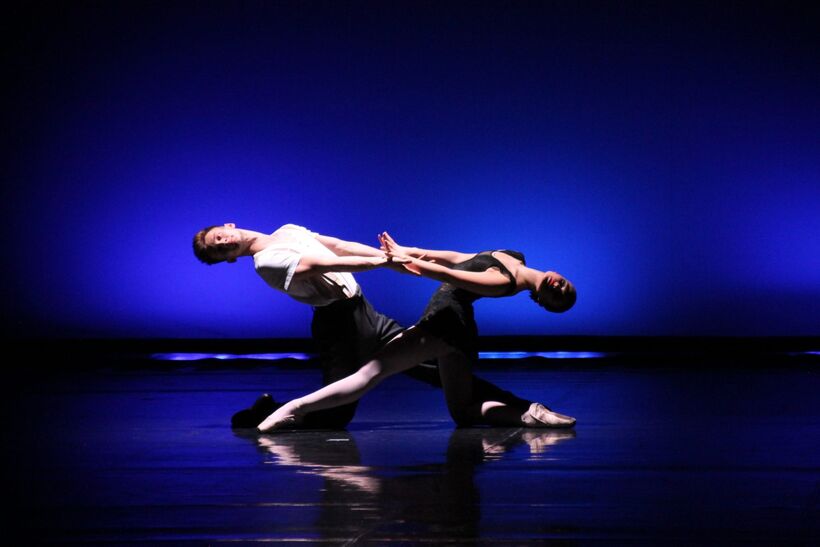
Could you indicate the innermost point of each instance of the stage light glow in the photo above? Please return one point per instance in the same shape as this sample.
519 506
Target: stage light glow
308 356
230 356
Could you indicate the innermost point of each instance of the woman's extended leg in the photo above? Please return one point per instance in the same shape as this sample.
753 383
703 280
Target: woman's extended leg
467 407
406 350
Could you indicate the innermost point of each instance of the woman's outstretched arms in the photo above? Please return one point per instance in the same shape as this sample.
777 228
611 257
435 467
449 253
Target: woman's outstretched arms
487 283
448 258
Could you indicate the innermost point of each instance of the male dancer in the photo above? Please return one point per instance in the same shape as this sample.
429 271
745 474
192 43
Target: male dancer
316 270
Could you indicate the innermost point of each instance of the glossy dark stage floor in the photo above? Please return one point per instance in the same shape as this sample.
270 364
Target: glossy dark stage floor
689 453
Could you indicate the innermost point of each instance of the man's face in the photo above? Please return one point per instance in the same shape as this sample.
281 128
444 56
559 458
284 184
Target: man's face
224 242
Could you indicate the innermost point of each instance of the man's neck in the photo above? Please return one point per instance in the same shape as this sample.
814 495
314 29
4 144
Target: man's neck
253 242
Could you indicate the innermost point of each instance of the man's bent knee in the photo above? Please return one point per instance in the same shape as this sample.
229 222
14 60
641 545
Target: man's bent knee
462 416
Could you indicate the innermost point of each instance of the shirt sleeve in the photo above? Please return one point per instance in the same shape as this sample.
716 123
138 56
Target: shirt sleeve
278 266
301 229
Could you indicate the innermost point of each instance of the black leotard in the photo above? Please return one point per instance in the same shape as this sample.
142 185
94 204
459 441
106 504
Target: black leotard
449 313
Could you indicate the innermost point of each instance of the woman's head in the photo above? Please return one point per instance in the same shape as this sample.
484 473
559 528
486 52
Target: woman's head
554 293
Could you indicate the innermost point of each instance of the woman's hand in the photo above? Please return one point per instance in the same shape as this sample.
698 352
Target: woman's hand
411 267
401 264
389 245
402 256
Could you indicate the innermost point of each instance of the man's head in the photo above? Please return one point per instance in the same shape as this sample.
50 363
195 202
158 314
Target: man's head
554 293
216 244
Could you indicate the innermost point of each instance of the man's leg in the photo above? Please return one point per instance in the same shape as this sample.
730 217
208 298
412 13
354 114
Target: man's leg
346 335
336 332
335 335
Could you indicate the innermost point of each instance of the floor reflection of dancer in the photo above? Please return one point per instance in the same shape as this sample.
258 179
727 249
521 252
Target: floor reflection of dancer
434 500
448 332
315 269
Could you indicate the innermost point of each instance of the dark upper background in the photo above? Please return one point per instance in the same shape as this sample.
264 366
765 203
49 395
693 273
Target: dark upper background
663 155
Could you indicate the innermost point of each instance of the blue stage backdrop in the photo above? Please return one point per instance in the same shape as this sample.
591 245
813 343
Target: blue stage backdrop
665 158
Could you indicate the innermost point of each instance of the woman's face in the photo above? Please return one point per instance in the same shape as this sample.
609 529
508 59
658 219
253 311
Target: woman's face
554 292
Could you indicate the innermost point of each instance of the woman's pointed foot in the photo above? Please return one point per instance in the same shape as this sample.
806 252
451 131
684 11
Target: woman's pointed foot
540 416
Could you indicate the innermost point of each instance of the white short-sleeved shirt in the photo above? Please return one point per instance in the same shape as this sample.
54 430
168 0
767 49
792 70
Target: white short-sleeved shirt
277 263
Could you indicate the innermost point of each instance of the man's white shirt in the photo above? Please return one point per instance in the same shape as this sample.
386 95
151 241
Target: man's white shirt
277 263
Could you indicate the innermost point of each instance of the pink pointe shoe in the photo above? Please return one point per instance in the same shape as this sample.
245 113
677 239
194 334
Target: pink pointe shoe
540 416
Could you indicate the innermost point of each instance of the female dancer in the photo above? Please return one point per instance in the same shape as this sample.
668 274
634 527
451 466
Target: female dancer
447 331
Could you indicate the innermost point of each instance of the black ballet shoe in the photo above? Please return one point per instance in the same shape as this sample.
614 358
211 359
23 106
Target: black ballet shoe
253 416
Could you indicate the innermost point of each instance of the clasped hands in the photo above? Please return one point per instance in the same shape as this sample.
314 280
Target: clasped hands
398 257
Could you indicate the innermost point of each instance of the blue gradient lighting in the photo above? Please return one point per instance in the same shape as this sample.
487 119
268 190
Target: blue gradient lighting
664 158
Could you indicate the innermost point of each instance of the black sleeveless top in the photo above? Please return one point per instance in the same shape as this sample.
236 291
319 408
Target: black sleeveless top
449 313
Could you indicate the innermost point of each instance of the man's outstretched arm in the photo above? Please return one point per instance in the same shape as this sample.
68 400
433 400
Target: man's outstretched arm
340 247
316 265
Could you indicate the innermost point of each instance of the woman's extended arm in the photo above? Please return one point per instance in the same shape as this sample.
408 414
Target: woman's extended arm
487 283
448 258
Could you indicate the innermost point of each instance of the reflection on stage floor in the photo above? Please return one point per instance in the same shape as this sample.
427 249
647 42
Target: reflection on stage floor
145 455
